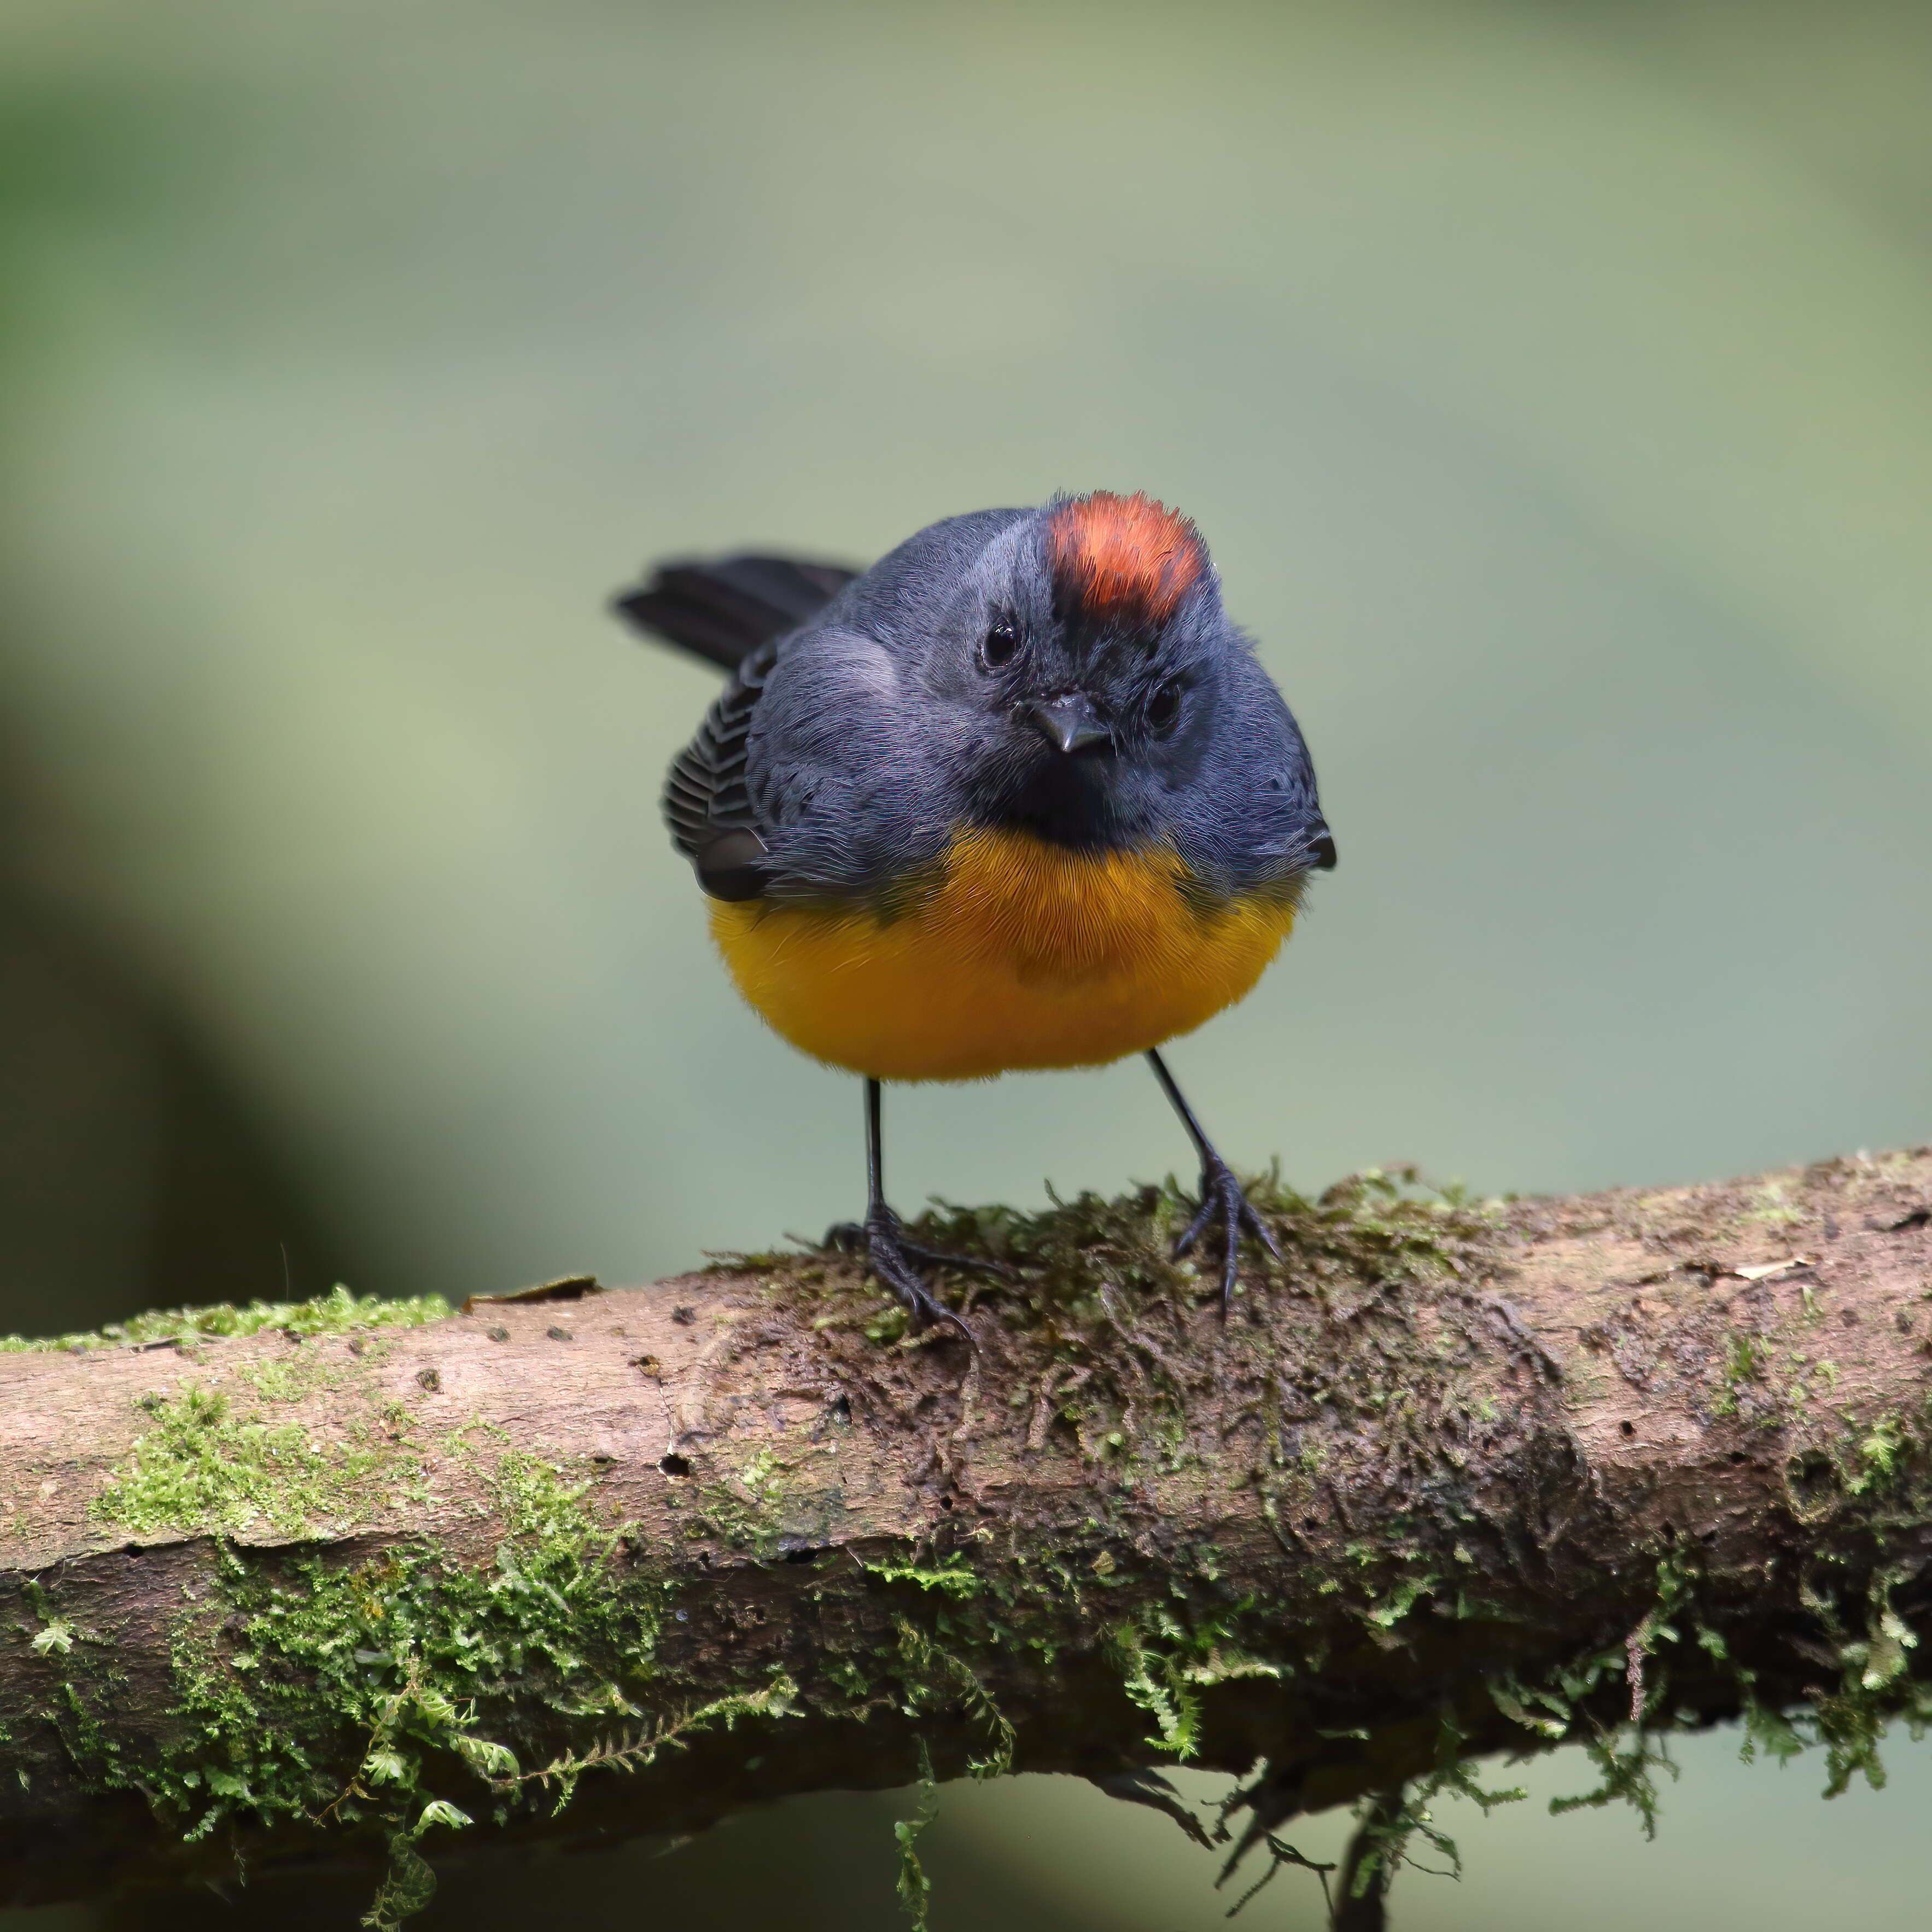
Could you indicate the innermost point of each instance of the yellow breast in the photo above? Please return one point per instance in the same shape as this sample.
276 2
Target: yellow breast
1019 954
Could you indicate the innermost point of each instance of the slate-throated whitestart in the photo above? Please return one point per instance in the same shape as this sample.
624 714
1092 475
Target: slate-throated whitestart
1019 796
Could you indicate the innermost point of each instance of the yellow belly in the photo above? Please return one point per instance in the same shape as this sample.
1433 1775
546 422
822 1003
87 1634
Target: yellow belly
1020 954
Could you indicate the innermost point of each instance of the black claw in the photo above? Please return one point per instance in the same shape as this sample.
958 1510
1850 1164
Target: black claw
1223 1202
959 1263
892 1258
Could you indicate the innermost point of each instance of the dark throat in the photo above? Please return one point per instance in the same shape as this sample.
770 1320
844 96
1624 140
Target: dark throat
1070 802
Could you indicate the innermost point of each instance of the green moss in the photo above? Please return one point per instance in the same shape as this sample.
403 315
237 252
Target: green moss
1773 1208
953 1577
337 1313
746 1511
1389 1830
1166 1661
1095 1296
203 1468
915 1889
930 1671
634 1747
1517 1702
1878 1455
403 1693
1385 1615
1873 1645
298 1373
402 1652
1626 1768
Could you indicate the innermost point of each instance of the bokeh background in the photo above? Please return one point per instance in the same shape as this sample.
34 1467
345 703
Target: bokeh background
1554 383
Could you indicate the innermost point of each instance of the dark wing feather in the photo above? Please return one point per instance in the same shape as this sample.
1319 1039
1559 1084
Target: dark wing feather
733 613
704 794
723 610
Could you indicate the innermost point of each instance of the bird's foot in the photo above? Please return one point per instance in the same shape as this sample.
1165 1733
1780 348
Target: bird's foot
1224 1205
896 1261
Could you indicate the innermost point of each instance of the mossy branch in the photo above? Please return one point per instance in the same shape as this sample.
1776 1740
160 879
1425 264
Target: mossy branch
366 1581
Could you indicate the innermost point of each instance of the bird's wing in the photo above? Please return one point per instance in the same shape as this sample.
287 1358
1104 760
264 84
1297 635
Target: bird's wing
724 610
705 794
734 612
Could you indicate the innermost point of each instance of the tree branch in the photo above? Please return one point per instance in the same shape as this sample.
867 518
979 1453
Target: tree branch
1454 1479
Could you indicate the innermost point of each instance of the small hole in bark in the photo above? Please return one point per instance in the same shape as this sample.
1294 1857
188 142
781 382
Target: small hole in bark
1811 1478
946 1502
674 1465
802 1555
1737 1455
1628 1428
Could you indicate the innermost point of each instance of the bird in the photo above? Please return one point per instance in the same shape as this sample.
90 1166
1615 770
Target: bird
1020 796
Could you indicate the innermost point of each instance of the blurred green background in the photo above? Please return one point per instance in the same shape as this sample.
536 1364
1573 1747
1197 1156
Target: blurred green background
1554 383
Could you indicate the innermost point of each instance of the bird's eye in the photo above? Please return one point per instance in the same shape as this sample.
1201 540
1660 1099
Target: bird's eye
998 646
1163 710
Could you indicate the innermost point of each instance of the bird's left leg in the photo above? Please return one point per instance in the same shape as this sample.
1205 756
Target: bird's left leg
1223 1202
881 1238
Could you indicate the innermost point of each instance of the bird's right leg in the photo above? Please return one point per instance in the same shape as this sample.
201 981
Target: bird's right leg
1224 1203
894 1259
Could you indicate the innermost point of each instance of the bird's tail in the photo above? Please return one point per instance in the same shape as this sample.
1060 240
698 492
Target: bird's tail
722 610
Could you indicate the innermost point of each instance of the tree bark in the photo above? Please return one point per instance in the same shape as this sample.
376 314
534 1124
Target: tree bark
1453 1479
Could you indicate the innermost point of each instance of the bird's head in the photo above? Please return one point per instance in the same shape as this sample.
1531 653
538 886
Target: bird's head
1112 704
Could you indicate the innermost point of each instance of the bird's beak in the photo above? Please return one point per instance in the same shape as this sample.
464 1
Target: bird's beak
1069 723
